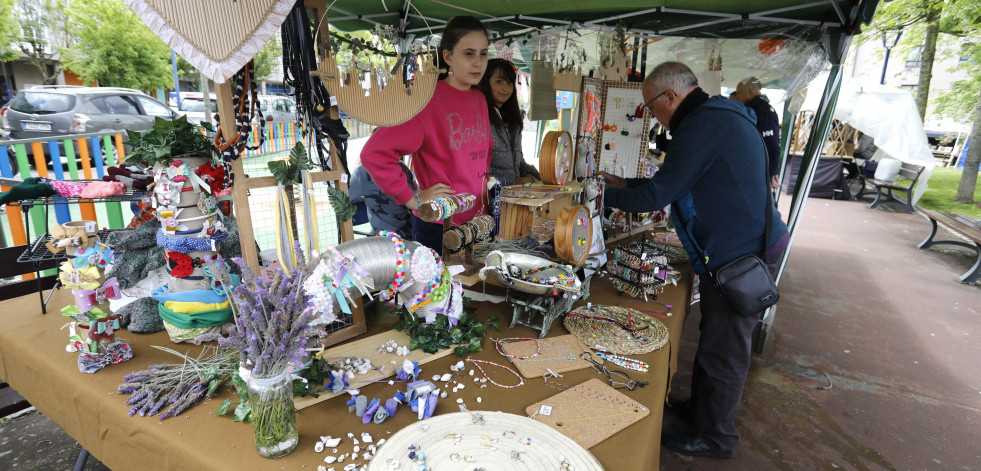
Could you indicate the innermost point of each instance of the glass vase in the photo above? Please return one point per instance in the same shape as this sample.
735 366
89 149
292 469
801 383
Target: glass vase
273 413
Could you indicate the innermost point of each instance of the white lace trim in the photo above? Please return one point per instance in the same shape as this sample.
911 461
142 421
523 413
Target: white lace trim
217 70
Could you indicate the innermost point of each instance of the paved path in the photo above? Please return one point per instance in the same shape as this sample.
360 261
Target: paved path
892 329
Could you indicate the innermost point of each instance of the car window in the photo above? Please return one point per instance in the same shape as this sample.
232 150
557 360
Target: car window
42 103
153 107
192 104
282 105
121 104
100 104
264 105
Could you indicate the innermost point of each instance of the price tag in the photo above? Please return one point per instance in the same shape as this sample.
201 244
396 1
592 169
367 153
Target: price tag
89 226
333 101
344 178
545 410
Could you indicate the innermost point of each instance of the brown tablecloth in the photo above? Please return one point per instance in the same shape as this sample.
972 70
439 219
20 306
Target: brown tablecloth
33 360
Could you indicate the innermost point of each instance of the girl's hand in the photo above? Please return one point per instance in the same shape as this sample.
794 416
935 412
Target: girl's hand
438 190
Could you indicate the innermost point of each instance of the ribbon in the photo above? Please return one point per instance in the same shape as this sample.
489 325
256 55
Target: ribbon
106 328
168 219
116 352
86 299
86 277
93 314
216 285
212 318
197 183
99 256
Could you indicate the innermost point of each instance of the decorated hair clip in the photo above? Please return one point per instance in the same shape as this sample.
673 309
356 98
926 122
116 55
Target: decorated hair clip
86 277
87 299
116 352
98 256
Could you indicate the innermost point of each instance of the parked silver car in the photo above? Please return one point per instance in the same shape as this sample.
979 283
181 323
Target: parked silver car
58 111
275 109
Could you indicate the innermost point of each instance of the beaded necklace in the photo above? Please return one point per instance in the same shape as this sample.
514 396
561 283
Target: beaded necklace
499 342
476 363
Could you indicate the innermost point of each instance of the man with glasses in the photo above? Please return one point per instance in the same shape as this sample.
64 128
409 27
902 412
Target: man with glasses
714 179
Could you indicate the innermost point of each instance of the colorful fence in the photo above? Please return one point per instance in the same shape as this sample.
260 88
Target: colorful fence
281 137
87 156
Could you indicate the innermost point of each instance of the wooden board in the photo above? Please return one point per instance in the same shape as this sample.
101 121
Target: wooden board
534 368
589 412
368 348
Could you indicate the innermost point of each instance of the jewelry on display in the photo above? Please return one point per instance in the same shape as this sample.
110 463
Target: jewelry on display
400 263
624 362
499 342
477 363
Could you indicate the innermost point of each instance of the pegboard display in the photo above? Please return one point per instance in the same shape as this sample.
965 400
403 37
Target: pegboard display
590 124
622 140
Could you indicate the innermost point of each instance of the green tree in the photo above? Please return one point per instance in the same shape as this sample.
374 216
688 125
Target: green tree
43 30
114 47
963 100
266 59
9 32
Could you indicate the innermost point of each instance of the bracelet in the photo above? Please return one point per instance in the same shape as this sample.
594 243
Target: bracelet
624 362
499 342
477 363
189 244
400 264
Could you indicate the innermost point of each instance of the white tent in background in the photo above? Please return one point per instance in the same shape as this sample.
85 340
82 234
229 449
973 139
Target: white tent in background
888 115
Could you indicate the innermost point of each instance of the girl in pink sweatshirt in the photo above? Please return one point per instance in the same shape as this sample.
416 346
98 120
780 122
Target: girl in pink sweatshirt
449 140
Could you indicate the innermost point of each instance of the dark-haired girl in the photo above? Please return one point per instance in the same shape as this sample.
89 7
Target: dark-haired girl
449 139
506 123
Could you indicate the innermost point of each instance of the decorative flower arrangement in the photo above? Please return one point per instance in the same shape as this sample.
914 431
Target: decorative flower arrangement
272 321
173 388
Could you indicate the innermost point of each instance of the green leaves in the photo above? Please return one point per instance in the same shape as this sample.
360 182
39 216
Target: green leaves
287 171
438 335
223 408
167 140
242 412
342 203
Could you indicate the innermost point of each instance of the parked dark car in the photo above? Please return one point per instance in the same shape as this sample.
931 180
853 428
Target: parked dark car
59 111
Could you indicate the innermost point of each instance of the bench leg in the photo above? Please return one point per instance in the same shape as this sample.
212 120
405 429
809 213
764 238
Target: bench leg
880 198
928 242
974 274
83 457
861 188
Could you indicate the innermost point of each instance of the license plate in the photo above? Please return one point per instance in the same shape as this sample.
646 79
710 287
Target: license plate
36 126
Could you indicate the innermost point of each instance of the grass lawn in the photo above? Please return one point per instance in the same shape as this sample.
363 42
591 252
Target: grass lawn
940 194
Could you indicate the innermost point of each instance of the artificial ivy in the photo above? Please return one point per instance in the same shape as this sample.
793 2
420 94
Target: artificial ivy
168 139
243 408
437 335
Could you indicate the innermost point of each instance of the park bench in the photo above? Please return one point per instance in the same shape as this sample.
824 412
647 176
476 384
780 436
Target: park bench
883 188
962 225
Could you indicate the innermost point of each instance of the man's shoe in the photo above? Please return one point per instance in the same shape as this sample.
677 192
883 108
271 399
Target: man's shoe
691 444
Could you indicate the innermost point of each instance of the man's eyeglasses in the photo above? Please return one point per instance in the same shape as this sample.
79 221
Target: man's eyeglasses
648 104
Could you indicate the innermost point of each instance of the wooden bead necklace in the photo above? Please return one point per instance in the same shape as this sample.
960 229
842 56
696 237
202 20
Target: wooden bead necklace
477 363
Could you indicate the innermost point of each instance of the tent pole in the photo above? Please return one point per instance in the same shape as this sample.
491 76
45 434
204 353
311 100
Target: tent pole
786 138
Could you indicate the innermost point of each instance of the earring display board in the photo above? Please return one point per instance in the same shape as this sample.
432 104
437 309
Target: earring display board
589 412
622 140
590 123
553 354
482 440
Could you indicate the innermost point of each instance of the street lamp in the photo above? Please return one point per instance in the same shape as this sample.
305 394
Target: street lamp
899 33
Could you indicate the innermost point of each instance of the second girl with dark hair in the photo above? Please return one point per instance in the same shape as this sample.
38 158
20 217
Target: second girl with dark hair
506 122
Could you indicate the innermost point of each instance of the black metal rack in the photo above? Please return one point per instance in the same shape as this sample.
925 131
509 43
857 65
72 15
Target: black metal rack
37 252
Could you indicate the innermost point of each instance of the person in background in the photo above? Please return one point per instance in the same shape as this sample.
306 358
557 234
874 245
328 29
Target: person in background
449 140
749 91
716 184
506 124
384 214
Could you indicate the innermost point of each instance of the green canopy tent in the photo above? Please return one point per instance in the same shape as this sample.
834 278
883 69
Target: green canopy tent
831 24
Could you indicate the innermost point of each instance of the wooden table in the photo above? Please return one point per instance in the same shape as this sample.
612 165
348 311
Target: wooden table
34 362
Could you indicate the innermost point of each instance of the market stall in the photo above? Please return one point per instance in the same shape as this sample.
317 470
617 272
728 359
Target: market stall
623 300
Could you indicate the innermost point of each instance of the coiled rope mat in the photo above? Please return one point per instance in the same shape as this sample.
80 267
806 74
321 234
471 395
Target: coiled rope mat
482 439
618 329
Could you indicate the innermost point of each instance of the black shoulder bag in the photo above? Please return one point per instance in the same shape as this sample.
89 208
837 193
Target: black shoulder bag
746 282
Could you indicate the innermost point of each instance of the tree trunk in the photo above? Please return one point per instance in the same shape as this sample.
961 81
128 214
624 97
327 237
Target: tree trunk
969 179
926 67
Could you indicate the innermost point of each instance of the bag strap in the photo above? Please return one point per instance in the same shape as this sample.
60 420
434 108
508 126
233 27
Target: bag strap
769 213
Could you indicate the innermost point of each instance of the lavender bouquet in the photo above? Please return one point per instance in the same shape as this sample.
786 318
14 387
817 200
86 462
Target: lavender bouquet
272 321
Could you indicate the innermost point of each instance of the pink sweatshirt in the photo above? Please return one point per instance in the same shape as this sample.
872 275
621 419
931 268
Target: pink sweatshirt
449 141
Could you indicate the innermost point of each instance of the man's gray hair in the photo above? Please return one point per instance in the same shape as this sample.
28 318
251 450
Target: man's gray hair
673 76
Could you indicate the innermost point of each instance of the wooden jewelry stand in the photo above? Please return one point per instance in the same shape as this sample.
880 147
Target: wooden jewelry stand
462 257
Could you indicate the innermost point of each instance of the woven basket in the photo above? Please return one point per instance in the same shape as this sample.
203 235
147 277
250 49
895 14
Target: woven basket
604 326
